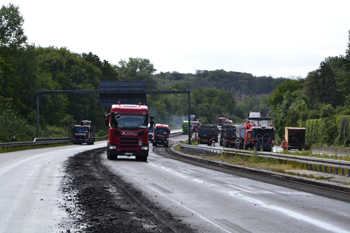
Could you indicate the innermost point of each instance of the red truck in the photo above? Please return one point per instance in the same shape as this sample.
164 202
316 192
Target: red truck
195 125
222 121
128 131
161 135
83 133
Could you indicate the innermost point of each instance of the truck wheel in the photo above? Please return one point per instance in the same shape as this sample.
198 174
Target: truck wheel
209 144
111 157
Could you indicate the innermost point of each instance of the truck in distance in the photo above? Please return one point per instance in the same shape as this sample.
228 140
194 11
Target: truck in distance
83 133
207 133
258 133
186 127
221 121
128 131
228 136
195 125
295 137
161 135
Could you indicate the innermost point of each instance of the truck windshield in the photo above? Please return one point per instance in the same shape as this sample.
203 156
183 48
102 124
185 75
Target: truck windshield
81 129
263 123
161 131
129 121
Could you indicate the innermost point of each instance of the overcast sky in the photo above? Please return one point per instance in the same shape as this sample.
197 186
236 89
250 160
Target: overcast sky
261 37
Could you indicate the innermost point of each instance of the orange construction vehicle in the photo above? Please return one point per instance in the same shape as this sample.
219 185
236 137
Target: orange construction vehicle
258 133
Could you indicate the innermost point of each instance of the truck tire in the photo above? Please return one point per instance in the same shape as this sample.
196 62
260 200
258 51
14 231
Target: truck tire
111 157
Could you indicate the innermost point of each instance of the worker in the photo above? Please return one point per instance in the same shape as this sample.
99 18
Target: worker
247 124
285 145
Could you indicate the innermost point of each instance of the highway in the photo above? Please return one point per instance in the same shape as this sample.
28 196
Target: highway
212 201
30 197
204 199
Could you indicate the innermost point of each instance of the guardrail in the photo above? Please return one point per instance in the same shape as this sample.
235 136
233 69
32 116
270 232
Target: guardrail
40 141
333 165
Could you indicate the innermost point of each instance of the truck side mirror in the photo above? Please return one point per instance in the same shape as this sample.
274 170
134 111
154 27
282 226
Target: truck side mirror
107 118
151 124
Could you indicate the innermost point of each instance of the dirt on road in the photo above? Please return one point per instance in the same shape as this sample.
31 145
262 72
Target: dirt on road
98 201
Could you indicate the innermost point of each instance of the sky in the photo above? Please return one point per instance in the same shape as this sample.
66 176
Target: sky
264 38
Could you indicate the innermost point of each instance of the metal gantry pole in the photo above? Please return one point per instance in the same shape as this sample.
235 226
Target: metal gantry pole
37 115
189 118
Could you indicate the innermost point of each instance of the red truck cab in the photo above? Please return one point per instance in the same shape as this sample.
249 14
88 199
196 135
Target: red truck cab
128 131
161 135
195 125
83 133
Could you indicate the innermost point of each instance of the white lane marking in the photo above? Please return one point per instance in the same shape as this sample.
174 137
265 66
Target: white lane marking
186 171
245 190
293 214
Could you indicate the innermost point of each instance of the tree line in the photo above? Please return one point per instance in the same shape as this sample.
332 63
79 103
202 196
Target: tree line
25 68
320 102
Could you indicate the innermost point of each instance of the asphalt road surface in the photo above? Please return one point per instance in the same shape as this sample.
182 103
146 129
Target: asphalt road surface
212 201
62 190
30 200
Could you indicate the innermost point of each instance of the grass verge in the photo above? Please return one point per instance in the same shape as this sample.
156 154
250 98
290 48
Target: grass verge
275 165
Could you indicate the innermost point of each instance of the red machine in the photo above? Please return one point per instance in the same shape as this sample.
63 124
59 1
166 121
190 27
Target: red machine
161 135
195 125
83 133
128 131
258 134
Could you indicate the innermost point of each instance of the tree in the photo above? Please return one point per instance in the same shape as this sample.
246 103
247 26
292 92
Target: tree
11 31
109 72
137 69
277 97
344 77
320 85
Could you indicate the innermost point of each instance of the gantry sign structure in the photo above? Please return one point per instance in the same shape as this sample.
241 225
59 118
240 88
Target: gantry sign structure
110 92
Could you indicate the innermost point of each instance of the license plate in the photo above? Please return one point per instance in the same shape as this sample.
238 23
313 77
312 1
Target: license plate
128 153
204 140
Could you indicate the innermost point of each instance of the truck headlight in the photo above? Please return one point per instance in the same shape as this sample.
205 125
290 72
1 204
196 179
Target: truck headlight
112 147
144 148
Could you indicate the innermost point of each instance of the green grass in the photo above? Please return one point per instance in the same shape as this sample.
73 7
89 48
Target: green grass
276 165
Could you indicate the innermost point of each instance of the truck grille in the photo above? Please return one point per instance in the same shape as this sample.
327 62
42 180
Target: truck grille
127 146
131 143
